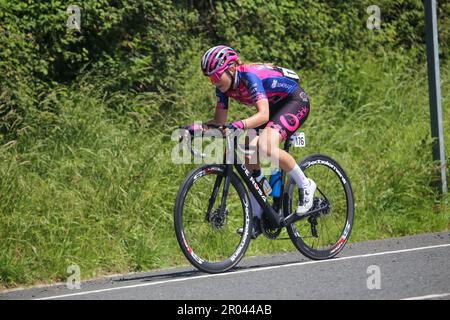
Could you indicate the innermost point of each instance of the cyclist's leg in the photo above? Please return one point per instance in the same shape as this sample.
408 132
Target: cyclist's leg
290 115
252 159
285 122
252 163
268 145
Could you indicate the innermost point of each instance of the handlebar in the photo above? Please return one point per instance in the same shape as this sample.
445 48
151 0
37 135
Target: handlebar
184 137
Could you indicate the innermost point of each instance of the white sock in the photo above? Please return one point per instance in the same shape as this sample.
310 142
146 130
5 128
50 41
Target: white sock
299 177
257 210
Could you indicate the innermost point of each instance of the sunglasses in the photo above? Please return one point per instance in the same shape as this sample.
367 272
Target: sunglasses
215 77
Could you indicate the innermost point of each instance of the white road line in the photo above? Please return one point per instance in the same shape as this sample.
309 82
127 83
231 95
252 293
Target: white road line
244 271
431 296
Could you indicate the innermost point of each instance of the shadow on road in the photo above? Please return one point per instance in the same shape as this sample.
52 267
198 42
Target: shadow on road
194 273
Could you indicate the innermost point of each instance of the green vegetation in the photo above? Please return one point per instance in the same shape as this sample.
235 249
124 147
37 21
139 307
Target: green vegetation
86 120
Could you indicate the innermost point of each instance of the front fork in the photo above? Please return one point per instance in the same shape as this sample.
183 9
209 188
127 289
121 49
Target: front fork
226 187
215 192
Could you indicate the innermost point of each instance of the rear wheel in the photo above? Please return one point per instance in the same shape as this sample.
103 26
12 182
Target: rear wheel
207 237
324 234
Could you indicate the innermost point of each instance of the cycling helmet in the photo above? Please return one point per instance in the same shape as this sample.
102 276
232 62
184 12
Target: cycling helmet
217 59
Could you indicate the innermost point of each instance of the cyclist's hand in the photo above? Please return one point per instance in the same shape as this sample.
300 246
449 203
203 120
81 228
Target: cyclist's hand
195 127
234 126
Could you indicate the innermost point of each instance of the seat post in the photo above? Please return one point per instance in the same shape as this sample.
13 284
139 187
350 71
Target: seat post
287 144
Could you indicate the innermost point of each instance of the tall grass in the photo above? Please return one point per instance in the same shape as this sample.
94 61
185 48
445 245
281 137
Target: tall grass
97 189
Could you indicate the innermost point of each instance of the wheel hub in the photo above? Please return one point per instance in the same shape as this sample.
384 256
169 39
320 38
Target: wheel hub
216 219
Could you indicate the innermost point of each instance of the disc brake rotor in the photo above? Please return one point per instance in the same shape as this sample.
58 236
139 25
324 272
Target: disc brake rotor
216 219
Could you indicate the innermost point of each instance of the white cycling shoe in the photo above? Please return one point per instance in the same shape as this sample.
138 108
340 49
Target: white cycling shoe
306 198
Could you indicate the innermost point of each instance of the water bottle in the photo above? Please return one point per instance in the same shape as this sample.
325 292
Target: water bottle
261 179
275 183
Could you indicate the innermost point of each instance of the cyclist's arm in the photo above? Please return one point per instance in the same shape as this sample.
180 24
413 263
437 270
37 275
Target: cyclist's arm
259 118
256 88
220 117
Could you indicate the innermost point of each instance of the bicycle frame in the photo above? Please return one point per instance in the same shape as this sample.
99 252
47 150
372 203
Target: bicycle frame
232 209
276 220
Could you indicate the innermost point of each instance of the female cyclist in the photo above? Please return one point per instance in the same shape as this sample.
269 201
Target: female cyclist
282 107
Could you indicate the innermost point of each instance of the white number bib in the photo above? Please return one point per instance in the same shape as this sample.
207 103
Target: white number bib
298 140
289 73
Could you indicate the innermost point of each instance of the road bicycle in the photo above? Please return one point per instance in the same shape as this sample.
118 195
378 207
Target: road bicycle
213 202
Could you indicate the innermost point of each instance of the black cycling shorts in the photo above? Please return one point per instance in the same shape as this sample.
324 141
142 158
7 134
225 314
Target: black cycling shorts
288 115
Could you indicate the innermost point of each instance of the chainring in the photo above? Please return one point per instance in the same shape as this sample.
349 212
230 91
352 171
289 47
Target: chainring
267 231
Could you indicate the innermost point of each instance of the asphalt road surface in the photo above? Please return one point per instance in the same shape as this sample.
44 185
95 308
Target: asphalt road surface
416 267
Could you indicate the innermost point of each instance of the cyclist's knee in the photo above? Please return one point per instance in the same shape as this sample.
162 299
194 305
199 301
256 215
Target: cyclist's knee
268 144
251 160
265 149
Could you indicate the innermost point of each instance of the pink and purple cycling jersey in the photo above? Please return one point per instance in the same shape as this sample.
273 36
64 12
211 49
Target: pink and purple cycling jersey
256 82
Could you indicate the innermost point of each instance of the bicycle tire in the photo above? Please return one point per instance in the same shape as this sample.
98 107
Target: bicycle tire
299 238
186 242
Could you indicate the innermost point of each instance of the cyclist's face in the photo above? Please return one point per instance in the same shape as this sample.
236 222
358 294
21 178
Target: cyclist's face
222 81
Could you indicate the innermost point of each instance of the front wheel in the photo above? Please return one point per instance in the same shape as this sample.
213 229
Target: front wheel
207 235
324 234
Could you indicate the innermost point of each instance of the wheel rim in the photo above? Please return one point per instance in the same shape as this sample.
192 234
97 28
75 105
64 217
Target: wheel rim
332 227
211 238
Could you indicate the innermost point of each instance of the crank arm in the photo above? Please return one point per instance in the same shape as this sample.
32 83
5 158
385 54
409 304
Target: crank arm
293 217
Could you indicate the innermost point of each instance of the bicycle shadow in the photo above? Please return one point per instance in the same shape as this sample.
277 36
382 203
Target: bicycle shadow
161 276
195 273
